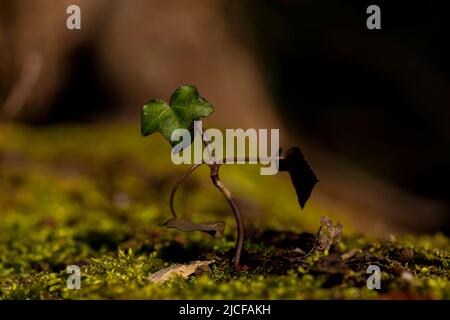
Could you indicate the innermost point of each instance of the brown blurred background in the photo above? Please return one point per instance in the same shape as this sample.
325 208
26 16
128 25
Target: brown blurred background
371 109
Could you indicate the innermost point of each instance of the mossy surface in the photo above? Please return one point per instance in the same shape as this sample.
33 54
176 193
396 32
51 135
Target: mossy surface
96 196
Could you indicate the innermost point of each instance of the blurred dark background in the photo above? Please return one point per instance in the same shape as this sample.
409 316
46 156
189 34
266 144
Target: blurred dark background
379 99
374 101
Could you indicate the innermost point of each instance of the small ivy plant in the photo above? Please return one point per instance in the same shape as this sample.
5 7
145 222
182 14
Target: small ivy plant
186 106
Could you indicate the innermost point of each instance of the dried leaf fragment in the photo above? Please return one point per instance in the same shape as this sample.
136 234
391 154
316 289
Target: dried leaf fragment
328 234
350 254
182 270
214 228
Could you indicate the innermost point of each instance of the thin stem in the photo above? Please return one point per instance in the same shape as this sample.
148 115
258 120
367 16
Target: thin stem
247 159
207 144
178 183
214 167
316 241
237 214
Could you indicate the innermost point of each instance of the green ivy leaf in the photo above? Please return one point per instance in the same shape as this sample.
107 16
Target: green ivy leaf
186 106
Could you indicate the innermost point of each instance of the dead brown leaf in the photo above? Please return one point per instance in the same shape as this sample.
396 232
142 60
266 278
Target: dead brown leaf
182 270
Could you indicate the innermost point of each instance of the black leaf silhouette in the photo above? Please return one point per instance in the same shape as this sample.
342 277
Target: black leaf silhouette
302 176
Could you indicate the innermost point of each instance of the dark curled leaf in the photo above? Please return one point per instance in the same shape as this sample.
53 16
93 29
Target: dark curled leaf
302 176
214 228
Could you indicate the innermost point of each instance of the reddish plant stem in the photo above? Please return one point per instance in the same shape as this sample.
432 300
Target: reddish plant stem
214 167
237 214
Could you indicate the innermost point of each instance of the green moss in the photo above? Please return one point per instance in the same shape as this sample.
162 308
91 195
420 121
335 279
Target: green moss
96 197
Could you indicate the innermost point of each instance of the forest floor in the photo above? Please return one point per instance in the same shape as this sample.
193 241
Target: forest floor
97 196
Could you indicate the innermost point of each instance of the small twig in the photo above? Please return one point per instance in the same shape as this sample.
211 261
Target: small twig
178 183
247 159
214 167
237 214
316 241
